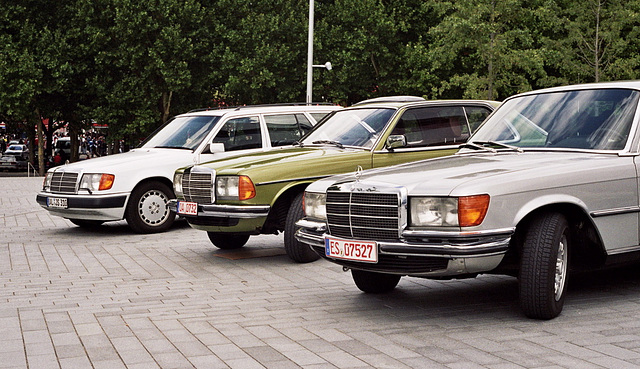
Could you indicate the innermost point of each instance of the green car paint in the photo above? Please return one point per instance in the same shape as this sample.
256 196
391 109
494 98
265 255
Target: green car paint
280 175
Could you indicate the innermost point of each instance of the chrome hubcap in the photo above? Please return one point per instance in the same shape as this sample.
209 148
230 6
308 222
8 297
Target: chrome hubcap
561 268
153 207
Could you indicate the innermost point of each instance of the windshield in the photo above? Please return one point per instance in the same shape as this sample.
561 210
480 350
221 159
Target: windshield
181 133
597 119
355 127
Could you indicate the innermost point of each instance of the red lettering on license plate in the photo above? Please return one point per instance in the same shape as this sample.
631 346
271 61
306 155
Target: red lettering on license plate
366 251
187 208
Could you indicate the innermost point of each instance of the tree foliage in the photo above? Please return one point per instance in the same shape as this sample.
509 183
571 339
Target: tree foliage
133 64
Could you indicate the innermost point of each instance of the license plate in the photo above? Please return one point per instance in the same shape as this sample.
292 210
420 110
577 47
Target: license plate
366 251
57 202
187 208
6 163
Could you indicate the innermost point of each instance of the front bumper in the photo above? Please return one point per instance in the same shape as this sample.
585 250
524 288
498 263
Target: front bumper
90 207
227 218
423 253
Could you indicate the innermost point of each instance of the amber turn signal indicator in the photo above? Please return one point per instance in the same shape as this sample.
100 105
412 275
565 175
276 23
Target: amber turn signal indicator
106 181
246 189
472 210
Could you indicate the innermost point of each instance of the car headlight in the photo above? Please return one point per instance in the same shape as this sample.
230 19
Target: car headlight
177 185
235 188
96 182
465 211
46 184
315 205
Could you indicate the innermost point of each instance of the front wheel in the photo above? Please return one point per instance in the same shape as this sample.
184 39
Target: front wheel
297 251
228 241
147 210
545 266
372 282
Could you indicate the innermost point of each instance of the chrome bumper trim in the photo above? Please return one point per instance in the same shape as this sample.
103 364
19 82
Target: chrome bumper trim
226 211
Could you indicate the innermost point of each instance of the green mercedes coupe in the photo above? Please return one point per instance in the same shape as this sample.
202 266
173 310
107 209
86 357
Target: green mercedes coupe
262 193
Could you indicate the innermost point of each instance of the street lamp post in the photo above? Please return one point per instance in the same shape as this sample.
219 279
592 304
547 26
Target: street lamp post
310 64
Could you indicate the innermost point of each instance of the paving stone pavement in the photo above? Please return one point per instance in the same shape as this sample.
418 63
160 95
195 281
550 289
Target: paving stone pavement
110 298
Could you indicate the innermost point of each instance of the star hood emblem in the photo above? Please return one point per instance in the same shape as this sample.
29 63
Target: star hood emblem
358 173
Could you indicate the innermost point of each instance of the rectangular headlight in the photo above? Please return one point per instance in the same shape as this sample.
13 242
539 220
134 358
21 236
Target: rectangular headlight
315 205
227 187
434 211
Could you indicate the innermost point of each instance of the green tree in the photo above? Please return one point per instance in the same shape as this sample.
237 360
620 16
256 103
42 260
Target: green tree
147 57
364 40
34 66
601 40
481 49
263 59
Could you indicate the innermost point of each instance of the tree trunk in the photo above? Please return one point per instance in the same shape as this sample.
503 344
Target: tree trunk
40 136
74 141
166 105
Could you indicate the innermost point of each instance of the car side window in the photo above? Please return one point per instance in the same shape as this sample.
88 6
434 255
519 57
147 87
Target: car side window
433 126
285 129
240 133
304 124
476 115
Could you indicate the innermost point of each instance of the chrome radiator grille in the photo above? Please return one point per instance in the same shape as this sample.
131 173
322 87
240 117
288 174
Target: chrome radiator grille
198 187
367 216
64 182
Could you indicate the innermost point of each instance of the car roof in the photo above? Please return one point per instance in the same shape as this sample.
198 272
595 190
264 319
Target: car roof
635 85
264 109
418 103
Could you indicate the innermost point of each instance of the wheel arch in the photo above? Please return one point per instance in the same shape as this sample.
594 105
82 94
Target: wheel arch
161 179
587 246
278 214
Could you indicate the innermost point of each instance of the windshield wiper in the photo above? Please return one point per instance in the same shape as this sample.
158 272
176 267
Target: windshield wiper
335 143
500 144
475 145
172 147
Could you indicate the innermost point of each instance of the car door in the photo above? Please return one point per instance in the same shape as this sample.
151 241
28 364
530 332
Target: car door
431 131
240 133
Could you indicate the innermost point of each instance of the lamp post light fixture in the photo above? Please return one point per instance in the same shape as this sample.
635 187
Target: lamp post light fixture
310 64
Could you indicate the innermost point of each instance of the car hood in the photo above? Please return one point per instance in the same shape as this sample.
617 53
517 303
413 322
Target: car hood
464 174
290 162
134 160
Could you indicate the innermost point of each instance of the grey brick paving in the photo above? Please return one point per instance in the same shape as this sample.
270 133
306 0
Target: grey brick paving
109 298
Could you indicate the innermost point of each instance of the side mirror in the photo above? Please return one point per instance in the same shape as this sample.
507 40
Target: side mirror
215 147
395 141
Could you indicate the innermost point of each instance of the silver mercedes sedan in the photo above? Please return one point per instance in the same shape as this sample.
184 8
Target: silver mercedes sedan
548 184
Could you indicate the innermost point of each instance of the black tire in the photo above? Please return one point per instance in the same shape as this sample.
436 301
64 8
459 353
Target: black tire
544 267
371 282
84 223
228 241
147 210
297 251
